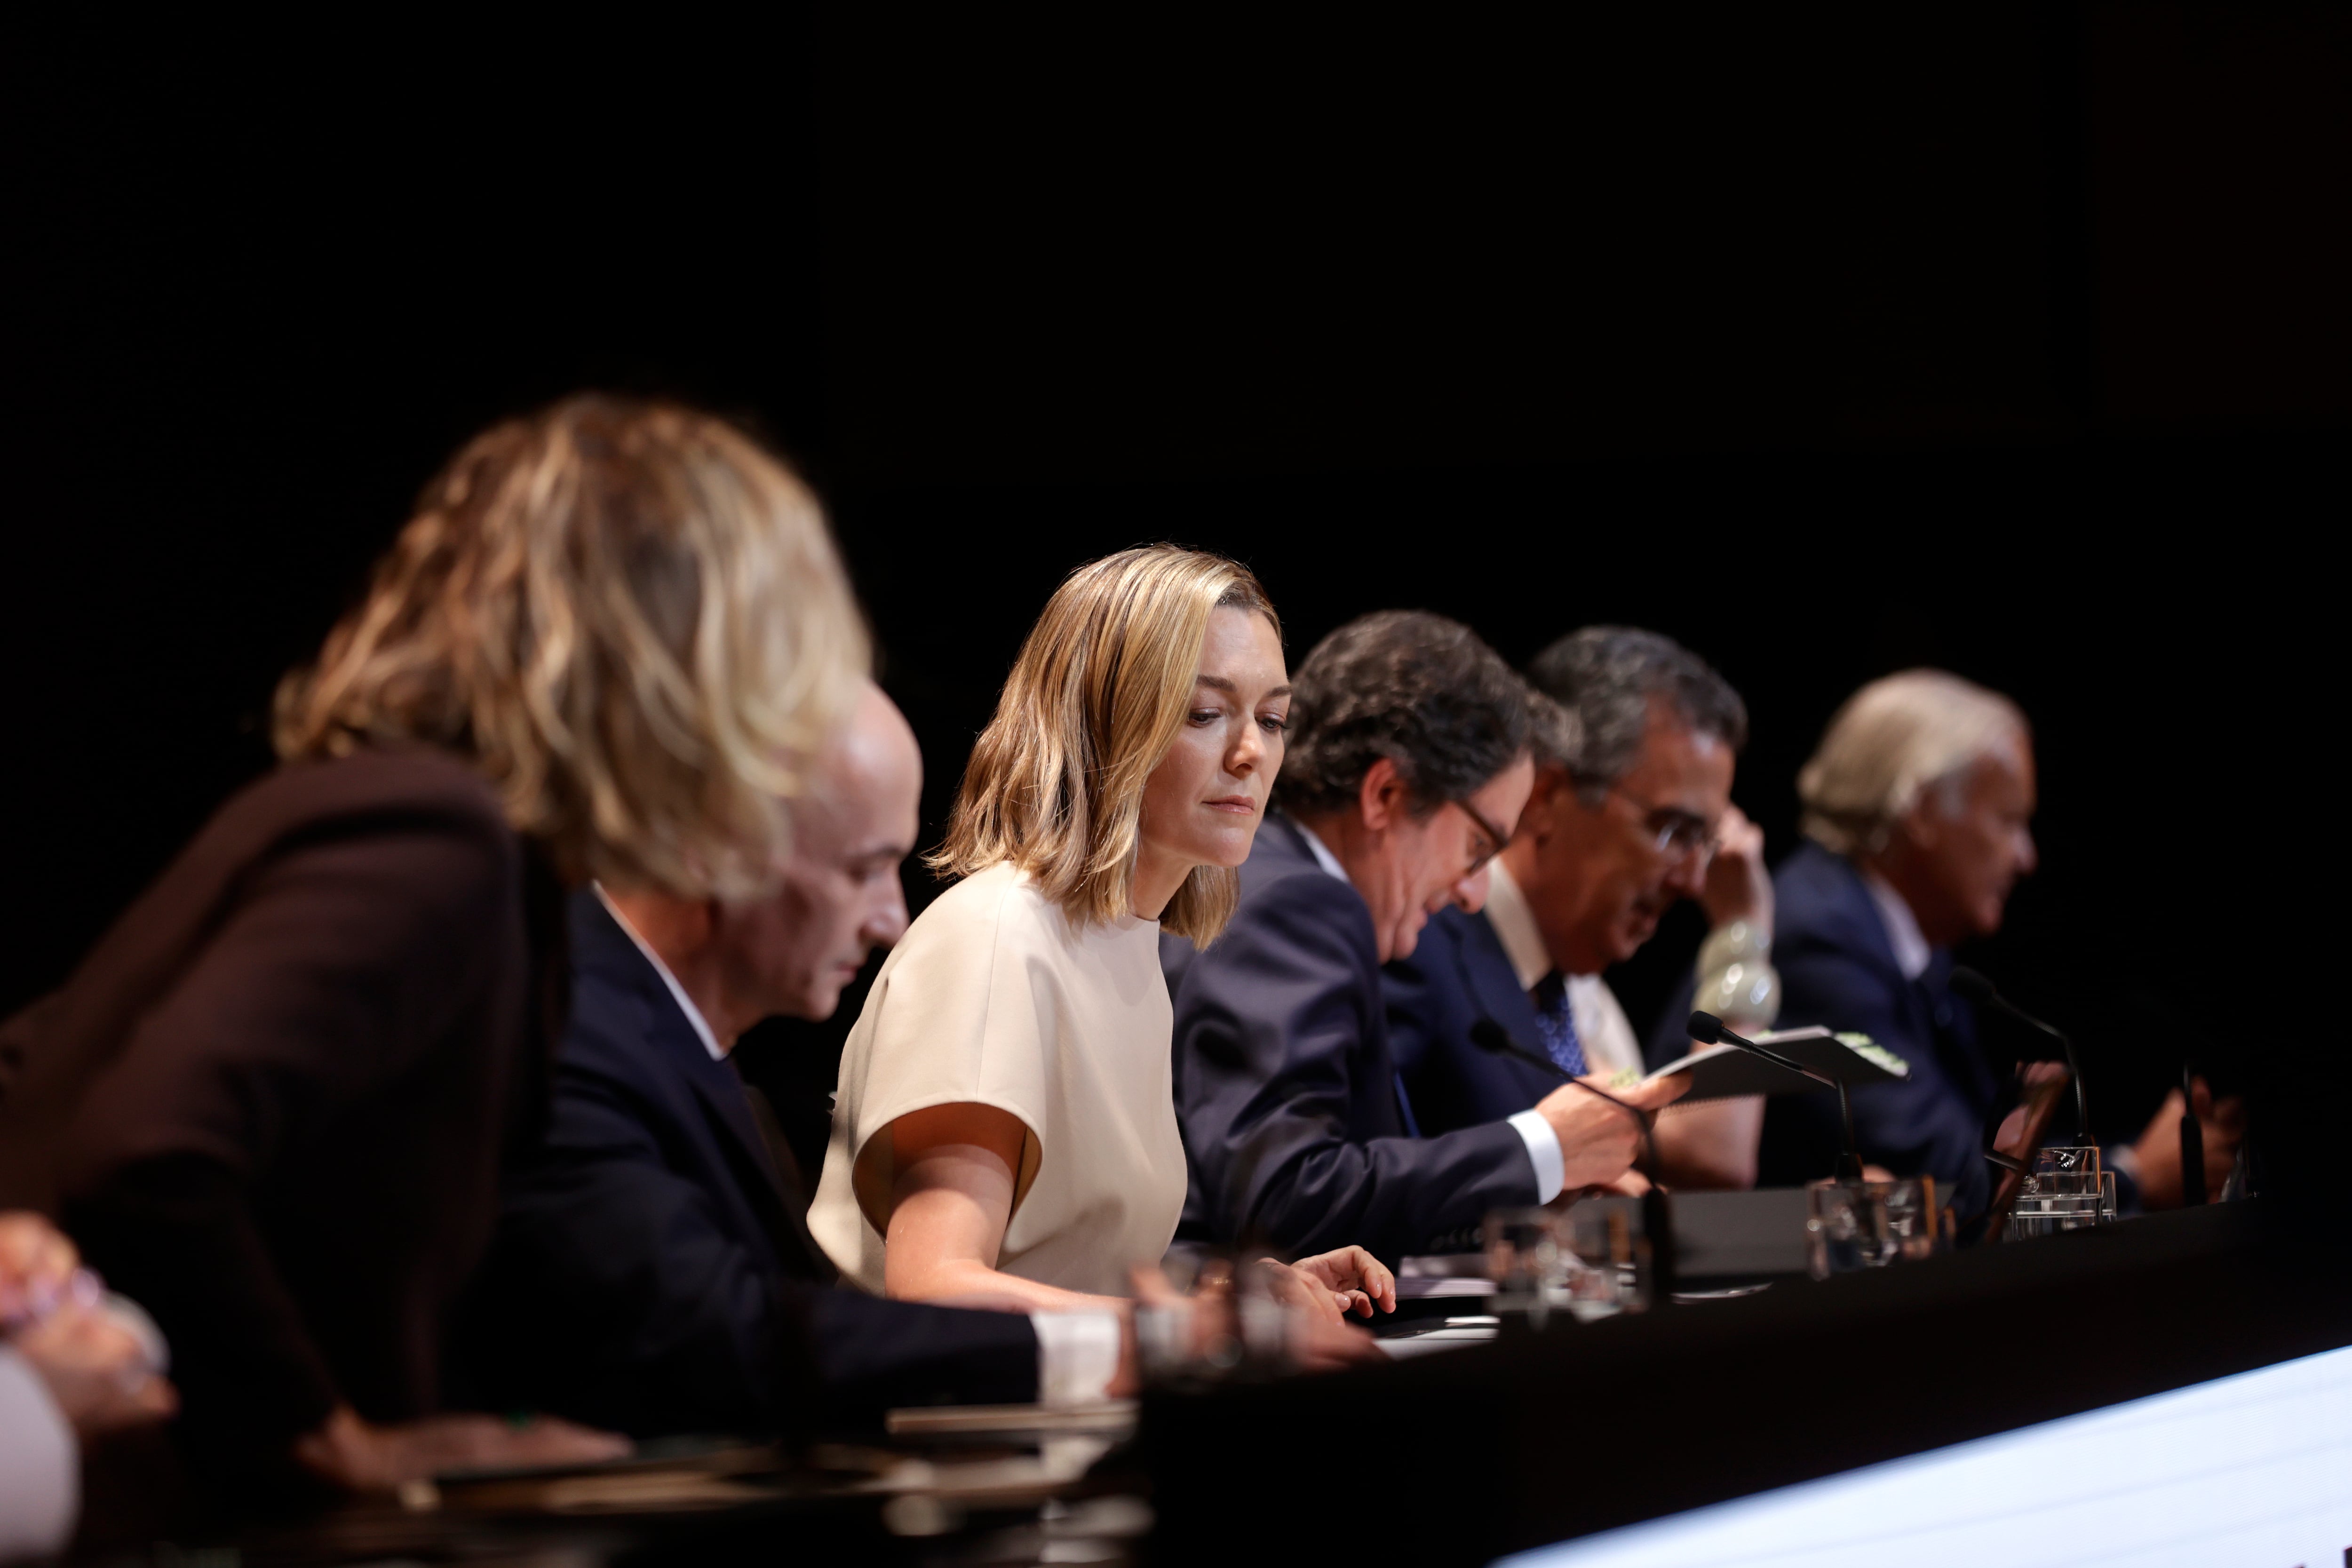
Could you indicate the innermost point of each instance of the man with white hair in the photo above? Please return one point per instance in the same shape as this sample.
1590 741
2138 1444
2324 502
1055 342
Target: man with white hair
653 1271
1918 807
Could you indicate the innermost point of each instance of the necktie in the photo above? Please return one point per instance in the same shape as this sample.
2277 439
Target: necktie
1555 1025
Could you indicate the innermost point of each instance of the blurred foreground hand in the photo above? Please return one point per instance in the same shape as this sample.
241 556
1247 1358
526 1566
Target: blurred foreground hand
361 1456
2159 1148
101 1366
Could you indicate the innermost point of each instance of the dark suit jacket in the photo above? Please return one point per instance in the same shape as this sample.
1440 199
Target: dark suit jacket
271 1102
1837 968
653 1271
1457 977
1286 1090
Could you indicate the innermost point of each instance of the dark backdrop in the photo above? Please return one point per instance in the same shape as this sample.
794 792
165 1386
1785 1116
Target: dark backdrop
2012 341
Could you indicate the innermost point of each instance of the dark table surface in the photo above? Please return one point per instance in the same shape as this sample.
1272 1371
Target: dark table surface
1454 1458
1540 1437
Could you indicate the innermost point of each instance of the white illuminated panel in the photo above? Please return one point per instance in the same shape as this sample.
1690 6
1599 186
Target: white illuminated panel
2251 1470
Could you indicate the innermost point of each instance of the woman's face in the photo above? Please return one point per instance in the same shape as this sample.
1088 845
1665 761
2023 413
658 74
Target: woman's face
1203 802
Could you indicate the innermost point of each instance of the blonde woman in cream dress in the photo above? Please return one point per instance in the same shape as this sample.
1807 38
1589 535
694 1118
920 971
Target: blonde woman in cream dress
1005 1129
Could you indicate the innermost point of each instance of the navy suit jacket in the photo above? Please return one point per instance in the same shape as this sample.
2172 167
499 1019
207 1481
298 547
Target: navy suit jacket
653 1274
1837 968
1286 1090
1457 977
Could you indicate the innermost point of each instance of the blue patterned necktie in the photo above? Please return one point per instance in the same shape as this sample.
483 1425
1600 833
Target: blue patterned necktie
1555 1025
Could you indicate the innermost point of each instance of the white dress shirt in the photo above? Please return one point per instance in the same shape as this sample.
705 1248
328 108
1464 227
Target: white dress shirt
1544 1152
1078 1352
1601 1025
677 993
1911 951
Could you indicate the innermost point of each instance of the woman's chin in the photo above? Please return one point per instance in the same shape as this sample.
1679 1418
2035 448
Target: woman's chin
1223 853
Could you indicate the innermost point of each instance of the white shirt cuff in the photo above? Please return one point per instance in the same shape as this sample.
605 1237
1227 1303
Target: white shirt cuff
1077 1356
40 1465
1544 1151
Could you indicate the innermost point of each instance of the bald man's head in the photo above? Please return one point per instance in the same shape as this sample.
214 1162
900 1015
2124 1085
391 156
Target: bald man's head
873 756
839 897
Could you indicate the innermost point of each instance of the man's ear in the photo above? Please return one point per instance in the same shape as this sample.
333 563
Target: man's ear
1553 790
1381 797
1923 825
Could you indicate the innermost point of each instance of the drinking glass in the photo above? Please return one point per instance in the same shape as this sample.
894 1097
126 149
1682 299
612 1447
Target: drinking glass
1589 1261
2068 1189
1851 1225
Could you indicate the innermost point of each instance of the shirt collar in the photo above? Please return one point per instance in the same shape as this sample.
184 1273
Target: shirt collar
1323 855
677 993
1515 924
1911 951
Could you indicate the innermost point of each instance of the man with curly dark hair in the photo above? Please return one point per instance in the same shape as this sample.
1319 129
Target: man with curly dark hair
1409 759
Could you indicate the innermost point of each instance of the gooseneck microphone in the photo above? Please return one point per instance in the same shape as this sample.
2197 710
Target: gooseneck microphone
1710 1030
1489 1036
1657 1215
2192 1143
1974 988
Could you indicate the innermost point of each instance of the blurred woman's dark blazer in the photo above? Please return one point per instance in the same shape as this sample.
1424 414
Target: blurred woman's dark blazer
271 1104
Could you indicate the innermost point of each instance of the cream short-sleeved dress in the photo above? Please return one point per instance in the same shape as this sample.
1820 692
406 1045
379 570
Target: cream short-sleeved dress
994 997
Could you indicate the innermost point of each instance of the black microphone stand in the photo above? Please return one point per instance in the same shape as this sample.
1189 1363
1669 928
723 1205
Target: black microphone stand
1491 1037
2192 1144
1657 1213
1973 986
1708 1029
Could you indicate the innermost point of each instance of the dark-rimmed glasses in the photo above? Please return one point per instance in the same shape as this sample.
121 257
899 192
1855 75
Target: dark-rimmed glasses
1496 838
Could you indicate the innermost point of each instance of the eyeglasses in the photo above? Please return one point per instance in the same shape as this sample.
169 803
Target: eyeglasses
1496 838
1677 833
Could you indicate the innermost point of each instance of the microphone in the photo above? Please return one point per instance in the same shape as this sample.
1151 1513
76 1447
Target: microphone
1491 1037
1974 988
1657 1217
2192 1144
1710 1030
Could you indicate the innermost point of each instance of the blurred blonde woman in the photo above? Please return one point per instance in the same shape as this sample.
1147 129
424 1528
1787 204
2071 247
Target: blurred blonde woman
1004 1131
271 1104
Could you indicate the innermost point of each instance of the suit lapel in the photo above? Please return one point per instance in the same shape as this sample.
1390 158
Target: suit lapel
735 1125
1963 1062
1963 1066
720 1093
1495 990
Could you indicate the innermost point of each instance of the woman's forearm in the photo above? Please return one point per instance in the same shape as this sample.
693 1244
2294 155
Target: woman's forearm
910 1274
950 1205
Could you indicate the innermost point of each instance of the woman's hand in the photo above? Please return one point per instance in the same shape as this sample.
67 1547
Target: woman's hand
1320 1338
97 1369
37 1266
1350 1280
361 1456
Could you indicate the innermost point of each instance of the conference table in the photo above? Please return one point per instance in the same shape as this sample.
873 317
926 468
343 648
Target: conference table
1534 1437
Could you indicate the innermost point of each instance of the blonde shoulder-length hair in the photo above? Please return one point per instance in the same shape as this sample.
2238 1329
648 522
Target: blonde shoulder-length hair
1094 702
630 618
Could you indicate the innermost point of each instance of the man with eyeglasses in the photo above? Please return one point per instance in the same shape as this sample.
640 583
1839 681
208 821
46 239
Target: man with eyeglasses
1410 756
1629 813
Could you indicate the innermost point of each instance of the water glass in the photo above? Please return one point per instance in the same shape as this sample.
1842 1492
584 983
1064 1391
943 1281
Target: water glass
1232 1325
1590 1260
1851 1225
2068 1189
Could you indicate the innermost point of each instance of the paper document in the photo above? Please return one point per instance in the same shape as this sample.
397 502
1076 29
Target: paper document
1722 1072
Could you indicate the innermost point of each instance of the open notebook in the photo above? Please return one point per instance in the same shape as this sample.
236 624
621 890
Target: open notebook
1721 1072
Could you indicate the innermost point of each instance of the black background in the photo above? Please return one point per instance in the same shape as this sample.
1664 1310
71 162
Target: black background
2012 340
